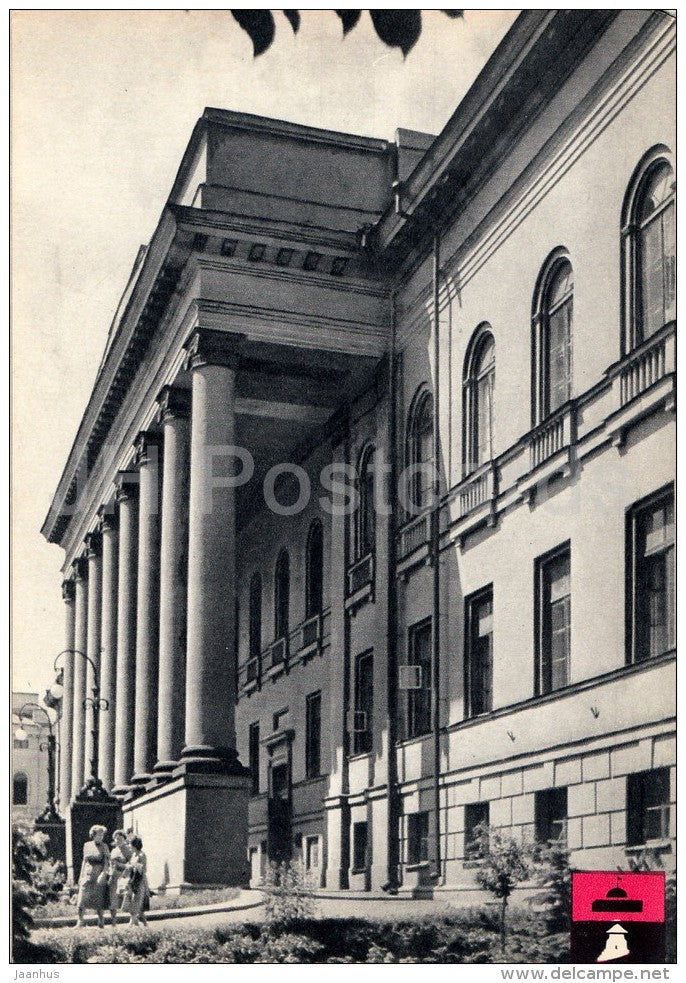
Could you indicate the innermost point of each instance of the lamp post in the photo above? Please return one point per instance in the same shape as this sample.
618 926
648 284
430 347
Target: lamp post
95 702
50 813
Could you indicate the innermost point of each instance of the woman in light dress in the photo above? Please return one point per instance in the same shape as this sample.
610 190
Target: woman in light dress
94 875
137 895
119 858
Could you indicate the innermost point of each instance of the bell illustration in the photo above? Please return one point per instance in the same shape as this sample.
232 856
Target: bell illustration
615 947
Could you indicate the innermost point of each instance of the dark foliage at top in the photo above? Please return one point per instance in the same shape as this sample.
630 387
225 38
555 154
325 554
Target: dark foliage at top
396 28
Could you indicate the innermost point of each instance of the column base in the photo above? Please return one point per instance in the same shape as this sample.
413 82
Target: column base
194 829
203 759
161 773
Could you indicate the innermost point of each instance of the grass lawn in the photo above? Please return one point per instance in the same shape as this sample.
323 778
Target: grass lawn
191 899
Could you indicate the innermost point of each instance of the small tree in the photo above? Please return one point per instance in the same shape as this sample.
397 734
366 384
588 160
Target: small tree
503 863
554 875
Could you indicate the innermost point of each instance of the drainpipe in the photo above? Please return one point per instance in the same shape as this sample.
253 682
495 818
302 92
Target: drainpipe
392 810
435 555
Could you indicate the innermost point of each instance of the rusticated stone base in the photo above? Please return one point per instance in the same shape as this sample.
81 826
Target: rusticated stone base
194 830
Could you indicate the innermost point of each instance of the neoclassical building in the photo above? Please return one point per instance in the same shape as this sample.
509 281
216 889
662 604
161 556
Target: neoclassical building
369 522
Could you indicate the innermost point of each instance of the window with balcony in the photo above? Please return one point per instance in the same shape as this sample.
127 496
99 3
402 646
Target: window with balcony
648 807
553 622
479 652
255 616
20 789
313 735
649 249
552 336
365 516
254 756
417 837
363 718
476 820
420 451
314 570
419 696
282 594
478 387
550 808
651 574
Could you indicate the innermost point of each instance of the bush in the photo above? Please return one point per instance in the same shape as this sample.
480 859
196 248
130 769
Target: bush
35 881
289 897
553 874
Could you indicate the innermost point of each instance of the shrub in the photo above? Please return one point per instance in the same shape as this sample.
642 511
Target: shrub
35 880
553 874
289 897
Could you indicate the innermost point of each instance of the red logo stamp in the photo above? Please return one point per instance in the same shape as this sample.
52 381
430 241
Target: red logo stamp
618 916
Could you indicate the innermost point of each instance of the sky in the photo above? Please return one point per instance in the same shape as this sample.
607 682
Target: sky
103 105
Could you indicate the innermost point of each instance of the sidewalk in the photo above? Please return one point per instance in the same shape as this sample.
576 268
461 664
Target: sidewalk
246 900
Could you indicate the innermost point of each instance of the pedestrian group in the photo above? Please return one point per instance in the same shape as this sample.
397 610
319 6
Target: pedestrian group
115 879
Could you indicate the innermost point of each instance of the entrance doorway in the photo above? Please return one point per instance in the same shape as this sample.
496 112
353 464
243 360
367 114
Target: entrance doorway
279 842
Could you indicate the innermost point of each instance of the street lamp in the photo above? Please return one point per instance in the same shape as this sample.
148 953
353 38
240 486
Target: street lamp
50 813
95 702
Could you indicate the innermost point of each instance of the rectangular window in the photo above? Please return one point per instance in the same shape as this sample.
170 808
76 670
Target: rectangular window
479 653
311 852
20 745
419 700
651 578
553 620
417 837
254 756
551 815
313 734
359 846
647 807
364 703
476 818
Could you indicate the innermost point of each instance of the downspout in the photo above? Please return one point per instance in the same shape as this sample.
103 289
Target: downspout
435 556
392 809
345 770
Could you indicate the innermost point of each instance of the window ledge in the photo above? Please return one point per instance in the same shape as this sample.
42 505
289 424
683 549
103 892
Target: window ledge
664 845
419 865
359 755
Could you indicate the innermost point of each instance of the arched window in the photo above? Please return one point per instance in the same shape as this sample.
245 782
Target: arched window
365 517
314 570
649 249
255 616
20 789
553 336
420 450
479 383
282 589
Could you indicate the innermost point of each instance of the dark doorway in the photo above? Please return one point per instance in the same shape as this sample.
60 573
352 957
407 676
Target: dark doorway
279 833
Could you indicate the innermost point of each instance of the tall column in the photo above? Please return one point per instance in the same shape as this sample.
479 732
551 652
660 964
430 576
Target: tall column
108 644
127 500
148 607
174 413
210 665
67 721
94 560
80 643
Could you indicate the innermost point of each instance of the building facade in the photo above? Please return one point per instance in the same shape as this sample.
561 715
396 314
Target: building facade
29 744
369 522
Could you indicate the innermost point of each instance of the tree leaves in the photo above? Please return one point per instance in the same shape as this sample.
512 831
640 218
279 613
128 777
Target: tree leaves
396 28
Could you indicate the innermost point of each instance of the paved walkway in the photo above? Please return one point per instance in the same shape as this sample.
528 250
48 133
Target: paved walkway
247 907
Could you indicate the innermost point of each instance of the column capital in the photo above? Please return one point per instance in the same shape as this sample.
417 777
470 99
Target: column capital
93 545
207 346
126 483
145 443
68 591
174 403
79 570
109 521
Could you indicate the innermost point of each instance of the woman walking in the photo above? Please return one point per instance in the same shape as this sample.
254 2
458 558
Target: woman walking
119 858
94 875
138 893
